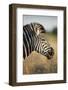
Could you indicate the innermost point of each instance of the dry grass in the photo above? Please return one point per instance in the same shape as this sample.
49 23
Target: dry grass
36 63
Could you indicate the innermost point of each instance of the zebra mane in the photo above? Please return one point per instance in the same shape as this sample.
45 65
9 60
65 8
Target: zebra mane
36 28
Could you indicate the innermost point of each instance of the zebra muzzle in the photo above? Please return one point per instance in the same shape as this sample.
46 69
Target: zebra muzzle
50 53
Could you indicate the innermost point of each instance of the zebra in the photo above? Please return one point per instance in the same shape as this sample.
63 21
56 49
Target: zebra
33 42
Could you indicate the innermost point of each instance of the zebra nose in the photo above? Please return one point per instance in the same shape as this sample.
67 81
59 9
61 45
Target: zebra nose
51 51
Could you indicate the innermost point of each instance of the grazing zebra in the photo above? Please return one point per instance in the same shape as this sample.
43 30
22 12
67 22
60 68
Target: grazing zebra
32 41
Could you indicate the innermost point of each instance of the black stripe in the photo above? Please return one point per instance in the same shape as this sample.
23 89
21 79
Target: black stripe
31 35
24 53
28 38
25 42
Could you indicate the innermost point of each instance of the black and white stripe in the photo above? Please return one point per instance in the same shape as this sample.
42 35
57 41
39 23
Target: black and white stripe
32 41
42 46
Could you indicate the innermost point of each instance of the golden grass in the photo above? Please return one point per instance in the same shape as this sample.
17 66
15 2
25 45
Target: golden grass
36 63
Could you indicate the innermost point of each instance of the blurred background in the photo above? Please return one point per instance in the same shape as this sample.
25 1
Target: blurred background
49 22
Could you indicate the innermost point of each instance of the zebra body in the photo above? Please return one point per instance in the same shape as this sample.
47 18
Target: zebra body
32 41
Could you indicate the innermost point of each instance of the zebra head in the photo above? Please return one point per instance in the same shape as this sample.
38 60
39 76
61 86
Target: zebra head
38 28
42 46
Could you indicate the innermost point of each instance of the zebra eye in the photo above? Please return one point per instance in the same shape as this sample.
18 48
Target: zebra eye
42 28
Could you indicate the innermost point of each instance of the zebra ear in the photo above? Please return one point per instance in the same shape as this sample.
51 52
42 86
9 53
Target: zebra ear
38 32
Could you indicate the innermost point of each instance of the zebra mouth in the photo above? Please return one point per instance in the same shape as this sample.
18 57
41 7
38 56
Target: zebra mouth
50 53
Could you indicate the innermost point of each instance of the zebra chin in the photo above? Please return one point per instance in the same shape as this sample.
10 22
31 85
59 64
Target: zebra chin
50 53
